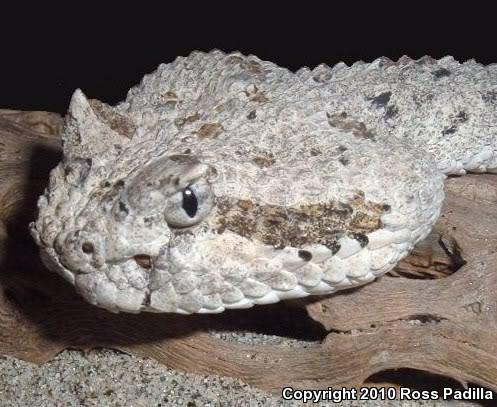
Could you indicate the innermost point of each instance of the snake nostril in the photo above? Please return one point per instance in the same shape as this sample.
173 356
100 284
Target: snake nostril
143 260
87 247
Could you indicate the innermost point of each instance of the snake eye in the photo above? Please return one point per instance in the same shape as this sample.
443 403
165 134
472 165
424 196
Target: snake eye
190 202
189 206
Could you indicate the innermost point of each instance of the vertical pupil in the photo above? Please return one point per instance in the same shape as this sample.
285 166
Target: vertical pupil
190 203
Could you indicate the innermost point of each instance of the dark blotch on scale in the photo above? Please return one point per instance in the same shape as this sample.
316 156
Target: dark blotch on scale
449 130
322 223
123 207
305 255
361 238
391 111
334 247
440 73
143 260
462 117
382 99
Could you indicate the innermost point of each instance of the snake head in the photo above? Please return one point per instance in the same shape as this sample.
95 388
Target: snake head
221 182
107 232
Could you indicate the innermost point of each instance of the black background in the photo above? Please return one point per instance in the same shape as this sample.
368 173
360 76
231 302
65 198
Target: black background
46 54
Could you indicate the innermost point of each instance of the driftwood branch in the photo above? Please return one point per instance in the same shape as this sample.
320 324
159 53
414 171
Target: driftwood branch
437 312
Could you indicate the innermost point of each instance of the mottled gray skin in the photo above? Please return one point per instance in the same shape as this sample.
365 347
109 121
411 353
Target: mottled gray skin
224 181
